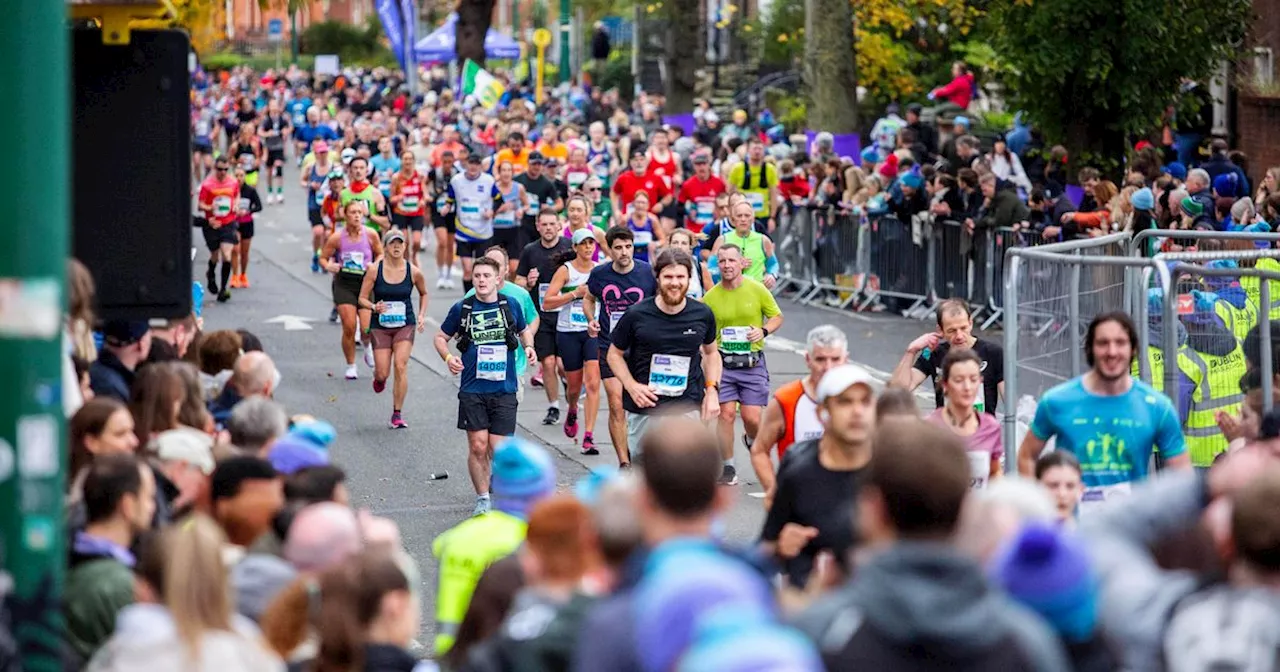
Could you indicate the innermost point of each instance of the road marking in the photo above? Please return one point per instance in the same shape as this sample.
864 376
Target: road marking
291 322
757 495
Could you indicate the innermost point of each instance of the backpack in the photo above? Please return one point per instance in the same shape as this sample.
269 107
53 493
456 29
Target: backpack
1223 629
464 323
746 176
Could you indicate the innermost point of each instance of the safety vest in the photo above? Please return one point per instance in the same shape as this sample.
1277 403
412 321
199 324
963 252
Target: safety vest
1217 381
789 398
464 552
752 248
1155 361
1238 320
1253 287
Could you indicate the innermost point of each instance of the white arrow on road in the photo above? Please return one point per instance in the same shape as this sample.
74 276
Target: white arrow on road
291 322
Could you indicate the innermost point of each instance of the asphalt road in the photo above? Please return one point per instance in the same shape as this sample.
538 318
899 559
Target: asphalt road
287 307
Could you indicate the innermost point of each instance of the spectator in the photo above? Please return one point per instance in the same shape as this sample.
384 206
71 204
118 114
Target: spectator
926 134
600 47
1270 185
887 617
1055 172
1220 164
77 336
1177 171
312 485
119 499
102 426
1007 166
369 614
1199 189
1059 472
182 464
249 341
218 354
884 135
1097 220
255 375
191 624
1020 137
193 412
246 494
957 94
909 198
254 424
959 128
495 593
1001 206
126 344
170 341
158 395
968 149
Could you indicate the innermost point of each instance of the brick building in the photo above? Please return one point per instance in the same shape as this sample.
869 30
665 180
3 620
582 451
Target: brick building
1257 93
247 21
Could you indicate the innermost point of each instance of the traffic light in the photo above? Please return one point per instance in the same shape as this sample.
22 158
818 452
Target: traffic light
131 171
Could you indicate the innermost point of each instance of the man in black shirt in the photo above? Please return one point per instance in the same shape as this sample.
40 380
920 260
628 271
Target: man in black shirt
542 193
274 131
664 351
533 272
923 358
817 486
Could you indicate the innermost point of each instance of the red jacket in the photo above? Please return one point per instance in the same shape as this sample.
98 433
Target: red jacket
959 91
795 186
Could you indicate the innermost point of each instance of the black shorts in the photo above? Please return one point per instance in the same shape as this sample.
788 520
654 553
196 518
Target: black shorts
346 289
226 234
446 222
201 147
509 239
274 155
576 348
605 372
315 217
544 339
406 222
495 413
474 250
246 230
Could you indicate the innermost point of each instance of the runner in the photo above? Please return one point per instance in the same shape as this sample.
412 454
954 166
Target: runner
601 208
542 193
392 333
644 225
477 199
443 221
203 128
274 132
746 313
699 194
663 352
384 165
489 329
602 156
527 308
508 217
640 177
684 239
347 255
757 249
758 181
575 208
537 266
360 189
576 171
409 202
961 382
792 413
1111 422
248 204
219 196
248 153
515 152
577 349
924 356
313 180
665 164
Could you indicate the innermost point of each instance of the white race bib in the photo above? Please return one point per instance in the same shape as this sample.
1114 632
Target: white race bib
542 294
394 315
577 316
669 374
979 469
575 180
733 340
642 238
469 210
202 128
319 198
491 362
533 204
614 318
442 203
244 206
1097 495
384 185
756 199
409 203
353 262
704 211
221 206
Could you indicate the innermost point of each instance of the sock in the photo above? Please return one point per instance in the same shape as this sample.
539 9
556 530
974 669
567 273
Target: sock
748 440
226 274
213 264
556 404
466 286
728 463
483 495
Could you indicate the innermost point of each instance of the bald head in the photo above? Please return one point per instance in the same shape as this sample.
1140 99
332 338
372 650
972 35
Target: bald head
255 374
322 535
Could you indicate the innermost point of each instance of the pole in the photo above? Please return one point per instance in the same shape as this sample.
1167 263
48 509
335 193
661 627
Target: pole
35 127
564 64
715 72
293 36
515 21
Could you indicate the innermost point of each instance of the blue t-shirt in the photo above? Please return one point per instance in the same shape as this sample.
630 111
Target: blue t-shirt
309 133
1113 437
383 169
297 110
617 292
521 295
484 369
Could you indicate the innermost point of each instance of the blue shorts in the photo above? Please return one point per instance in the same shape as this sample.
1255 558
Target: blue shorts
576 348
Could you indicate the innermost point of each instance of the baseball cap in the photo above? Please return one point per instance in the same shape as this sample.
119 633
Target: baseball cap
581 235
336 174
536 157
320 147
348 154
701 157
124 332
185 444
392 235
841 378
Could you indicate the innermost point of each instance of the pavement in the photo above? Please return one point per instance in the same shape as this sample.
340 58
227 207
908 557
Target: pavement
389 471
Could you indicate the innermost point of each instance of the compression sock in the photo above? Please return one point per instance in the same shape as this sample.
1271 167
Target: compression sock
466 286
226 274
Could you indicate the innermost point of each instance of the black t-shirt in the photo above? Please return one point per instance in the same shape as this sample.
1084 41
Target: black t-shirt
534 255
542 193
270 123
649 336
992 357
809 494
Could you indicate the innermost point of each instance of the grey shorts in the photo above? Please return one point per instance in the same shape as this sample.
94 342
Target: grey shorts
638 424
749 387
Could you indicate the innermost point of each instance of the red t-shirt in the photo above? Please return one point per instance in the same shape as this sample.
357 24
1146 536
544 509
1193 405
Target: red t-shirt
702 194
219 200
795 186
665 169
628 184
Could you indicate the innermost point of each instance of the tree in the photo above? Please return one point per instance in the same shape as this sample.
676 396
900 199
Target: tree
199 18
682 41
830 71
1093 73
474 18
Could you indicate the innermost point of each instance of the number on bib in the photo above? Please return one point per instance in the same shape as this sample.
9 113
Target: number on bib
669 374
394 315
734 340
491 362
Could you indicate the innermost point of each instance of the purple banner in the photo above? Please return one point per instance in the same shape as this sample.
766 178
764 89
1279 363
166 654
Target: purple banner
409 12
393 28
684 121
845 145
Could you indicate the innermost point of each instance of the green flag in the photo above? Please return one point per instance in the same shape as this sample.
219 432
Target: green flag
478 82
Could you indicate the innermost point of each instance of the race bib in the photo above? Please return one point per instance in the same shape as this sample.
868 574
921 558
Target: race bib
1097 495
469 210
507 218
246 162
577 316
542 293
602 170
221 206
533 204
319 198
733 340
576 179
642 238
202 128
244 205
669 374
491 362
442 203
614 318
394 315
979 469
353 262
409 203
704 211
756 199
384 185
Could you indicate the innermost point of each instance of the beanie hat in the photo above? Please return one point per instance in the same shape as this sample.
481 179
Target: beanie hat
1191 207
523 473
961 120
912 180
291 453
1050 572
1143 199
1242 209
870 154
1225 185
1175 170
746 639
1216 282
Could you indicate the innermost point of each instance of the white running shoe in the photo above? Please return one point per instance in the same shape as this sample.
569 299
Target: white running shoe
352 373
441 283
368 355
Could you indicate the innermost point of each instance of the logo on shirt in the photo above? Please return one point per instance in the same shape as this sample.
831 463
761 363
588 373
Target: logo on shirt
690 332
982 367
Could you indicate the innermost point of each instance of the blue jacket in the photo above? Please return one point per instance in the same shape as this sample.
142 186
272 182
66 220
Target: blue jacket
109 377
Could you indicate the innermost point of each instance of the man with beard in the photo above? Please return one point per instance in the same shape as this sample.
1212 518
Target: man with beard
1109 420
664 351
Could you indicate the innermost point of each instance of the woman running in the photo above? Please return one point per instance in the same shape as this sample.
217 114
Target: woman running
387 290
645 227
576 213
666 164
250 203
700 281
577 172
409 202
506 221
247 152
963 414
347 255
577 351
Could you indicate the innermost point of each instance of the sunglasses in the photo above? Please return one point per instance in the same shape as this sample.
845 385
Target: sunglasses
591 189
221 169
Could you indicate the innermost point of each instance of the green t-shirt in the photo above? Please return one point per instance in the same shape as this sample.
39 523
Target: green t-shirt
368 197
530 314
464 552
737 310
601 214
756 183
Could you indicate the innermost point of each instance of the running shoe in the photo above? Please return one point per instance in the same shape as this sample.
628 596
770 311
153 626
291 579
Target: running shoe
441 283
368 355
225 296
589 445
397 422
536 381
729 476
571 424
333 314
211 281
315 263
352 373
552 417
379 386
482 506
244 281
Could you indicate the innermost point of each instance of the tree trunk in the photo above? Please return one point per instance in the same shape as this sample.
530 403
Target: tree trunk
830 72
683 53
474 17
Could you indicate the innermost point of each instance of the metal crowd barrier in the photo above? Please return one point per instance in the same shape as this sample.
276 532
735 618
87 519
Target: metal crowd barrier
902 268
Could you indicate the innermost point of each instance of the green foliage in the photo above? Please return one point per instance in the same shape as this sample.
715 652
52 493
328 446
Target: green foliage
783 30
1090 73
790 111
616 75
226 60
353 44
996 122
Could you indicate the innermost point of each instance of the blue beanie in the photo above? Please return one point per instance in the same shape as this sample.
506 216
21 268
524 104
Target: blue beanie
1175 170
1226 184
912 180
870 154
745 639
1050 572
523 473
1143 199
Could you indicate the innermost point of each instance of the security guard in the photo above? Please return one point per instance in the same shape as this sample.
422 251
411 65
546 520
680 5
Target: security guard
1155 338
1233 307
1212 362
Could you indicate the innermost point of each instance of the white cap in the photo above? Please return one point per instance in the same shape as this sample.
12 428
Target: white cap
841 378
348 155
185 444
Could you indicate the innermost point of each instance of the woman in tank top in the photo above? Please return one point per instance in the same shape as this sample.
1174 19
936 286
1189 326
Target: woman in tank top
576 211
700 281
645 227
576 349
409 202
387 291
347 255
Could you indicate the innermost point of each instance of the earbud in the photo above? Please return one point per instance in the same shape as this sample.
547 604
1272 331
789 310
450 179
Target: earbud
824 415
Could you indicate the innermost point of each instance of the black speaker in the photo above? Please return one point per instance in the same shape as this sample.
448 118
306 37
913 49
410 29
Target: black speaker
132 171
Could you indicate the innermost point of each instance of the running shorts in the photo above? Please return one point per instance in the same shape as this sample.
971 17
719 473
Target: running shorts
575 348
544 340
407 222
346 289
495 413
383 339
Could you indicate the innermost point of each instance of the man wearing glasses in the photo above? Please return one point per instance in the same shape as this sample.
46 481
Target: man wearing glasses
219 198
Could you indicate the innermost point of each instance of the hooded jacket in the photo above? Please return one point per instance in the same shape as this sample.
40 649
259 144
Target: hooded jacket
146 638
924 606
1207 336
1006 208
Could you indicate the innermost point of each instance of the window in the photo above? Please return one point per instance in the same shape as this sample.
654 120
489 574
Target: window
1264 66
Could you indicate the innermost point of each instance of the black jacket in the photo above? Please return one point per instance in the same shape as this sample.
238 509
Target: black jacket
109 377
600 46
387 658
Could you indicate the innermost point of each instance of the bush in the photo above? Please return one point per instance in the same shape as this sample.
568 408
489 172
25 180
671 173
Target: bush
352 44
226 60
616 74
